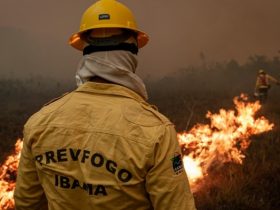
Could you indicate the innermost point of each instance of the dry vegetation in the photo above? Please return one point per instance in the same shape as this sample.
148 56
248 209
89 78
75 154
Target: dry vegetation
19 99
187 96
184 97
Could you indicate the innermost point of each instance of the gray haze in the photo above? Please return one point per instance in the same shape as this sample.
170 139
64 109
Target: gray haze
34 34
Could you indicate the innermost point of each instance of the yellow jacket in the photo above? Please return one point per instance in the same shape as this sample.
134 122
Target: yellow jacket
263 81
101 147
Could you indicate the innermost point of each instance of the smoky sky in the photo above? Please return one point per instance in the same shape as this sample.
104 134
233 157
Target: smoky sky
34 34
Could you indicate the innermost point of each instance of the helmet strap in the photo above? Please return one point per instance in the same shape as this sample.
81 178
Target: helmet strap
107 41
122 46
110 40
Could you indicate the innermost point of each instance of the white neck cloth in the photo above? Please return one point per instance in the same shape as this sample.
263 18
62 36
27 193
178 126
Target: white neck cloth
115 66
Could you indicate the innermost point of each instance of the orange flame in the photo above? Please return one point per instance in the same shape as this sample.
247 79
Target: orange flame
8 173
223 140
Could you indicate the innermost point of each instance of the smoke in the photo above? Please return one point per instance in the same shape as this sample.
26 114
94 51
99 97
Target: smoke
34 40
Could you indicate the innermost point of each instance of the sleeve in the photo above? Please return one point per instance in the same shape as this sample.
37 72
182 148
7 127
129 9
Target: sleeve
29 194
271 78
166 181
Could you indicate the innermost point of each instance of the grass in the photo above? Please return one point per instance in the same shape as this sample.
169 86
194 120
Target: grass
252 186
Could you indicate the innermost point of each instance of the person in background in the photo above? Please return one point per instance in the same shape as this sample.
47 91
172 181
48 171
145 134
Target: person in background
103 146
263 84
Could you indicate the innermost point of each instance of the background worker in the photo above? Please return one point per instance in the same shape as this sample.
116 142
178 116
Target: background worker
103 146
263 84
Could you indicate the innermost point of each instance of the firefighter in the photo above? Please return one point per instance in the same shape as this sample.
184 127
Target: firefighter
103 146
263 84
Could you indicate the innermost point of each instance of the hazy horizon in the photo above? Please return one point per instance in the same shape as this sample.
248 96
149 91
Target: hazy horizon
34 35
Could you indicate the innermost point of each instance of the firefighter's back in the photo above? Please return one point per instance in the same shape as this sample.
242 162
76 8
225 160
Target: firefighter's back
93 148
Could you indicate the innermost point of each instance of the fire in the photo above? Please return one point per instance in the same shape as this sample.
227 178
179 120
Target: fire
8 173
205 146
223 140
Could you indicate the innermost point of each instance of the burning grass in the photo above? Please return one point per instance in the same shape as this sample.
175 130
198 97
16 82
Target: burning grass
225 139
255 184
251 186
213 153
8 174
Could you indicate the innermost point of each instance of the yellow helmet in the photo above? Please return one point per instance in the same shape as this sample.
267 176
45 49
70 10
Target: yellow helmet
261 71
107 14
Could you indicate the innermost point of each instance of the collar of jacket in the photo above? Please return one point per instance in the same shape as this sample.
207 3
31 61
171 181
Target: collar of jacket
109 89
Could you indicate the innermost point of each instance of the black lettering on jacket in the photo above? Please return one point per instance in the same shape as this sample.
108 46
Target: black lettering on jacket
72 184
39 158
74 154
61 155
50 157
97 160
111 166
85 155
124 175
